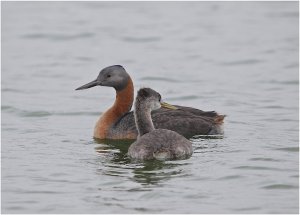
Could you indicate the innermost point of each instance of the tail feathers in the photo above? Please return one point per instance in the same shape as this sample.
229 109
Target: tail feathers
219 119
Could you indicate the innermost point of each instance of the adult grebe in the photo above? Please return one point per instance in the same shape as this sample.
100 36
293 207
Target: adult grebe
118 121
154 143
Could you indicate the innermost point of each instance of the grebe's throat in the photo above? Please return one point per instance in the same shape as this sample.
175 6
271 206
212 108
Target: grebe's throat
122 105
142 118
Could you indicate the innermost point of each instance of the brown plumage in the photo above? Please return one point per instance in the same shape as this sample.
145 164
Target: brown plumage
118 121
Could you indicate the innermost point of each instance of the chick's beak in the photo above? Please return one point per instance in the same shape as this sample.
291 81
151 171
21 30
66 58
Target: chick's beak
168 106
88 85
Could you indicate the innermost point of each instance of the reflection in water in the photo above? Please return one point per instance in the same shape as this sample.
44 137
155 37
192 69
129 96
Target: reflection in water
152 172
116 163
199 137
117 149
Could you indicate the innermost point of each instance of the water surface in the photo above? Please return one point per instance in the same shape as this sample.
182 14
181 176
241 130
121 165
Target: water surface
238 58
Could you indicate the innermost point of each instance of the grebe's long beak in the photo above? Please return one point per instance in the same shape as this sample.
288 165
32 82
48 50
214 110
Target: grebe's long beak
168 106
88 85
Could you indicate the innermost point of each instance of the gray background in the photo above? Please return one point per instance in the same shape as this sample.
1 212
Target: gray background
238 58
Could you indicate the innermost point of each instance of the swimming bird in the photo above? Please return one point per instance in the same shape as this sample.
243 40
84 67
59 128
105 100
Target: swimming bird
154 143
118 121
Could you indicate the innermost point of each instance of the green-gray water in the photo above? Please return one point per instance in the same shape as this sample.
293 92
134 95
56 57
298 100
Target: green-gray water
238 58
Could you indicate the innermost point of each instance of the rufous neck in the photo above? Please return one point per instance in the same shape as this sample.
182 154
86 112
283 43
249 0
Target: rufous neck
122 105
124 99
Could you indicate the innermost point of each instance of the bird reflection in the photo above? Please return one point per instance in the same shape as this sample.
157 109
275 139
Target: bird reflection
115 162
153 172
116 148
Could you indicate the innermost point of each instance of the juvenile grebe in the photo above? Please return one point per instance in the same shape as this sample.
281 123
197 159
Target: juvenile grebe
118 121
154 143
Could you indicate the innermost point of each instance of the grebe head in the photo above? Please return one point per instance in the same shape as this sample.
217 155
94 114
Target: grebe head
146 101
150 99
112 76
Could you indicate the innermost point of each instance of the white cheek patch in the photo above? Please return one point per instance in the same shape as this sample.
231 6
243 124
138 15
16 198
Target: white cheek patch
155 106
158 105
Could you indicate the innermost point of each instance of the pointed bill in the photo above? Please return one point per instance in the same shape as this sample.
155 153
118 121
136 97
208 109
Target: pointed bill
88 85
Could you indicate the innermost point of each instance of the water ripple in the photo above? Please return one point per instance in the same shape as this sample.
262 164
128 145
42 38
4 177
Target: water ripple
12 90
183 98
261 168
289 149
287 14
265 159
58 36
292 66
163 79
141 39
247 209
41 113
242 62
230 177
280 186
